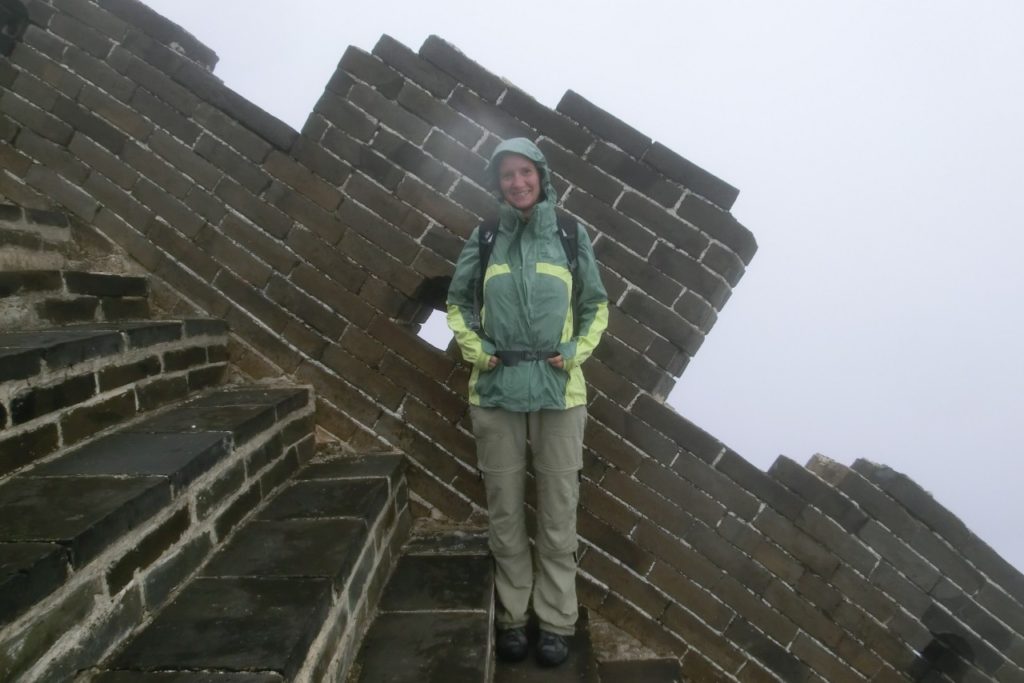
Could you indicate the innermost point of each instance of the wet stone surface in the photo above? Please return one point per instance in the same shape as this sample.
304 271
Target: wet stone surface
426 647
439 582
580 667
325 548
453 542
181 457
28 572
85 514
358 498
648 671
242 422
237 624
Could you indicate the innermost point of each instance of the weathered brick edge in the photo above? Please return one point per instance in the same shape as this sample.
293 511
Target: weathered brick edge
315 246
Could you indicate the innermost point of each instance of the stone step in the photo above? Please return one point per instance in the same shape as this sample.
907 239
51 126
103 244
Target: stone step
39 298
60 387
288 593
94 541
581 667
641 671
434 620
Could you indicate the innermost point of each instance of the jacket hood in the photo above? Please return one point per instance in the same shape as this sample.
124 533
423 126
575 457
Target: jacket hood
524 147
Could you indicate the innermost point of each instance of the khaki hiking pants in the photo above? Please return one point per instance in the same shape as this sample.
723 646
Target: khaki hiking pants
556 442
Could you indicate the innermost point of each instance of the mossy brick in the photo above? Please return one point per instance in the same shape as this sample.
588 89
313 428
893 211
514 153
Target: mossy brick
720 225
440 115
659 221
639 271
101 284
208 87
28 573
21 652
18 282
449 59
124 308
66 311
160 392
147 550
39 401
603 124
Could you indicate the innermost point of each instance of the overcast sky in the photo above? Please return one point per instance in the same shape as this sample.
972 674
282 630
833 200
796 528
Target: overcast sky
879 155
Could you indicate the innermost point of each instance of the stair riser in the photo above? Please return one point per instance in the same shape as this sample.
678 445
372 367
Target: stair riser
44 310
53 410
104 602
335 649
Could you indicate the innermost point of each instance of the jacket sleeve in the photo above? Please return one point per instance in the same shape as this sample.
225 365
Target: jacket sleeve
462 315
593 306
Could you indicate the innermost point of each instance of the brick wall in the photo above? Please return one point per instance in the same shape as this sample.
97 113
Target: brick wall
317 246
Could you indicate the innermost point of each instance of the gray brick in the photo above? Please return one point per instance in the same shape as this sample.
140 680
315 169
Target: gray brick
389 114
41 94
182 249
720 225
164 116
414 160
609 221
62 191
398 56
663 321
325 165
460 158
99 72
46 69
690 273
156 170
54 157
281 259
633 430
372 71
95 18
632 365
448 58
346 116
638 271
80 35
487 115
449 214
184 159
245 142
663 224
691 176
724 262
34 118
603 124
439 114
900 555
303 180
337 298
633 173
258 211
386 205
367 160
550 123
241 170
232 255
160 84
167 32
760 484
697 311
314 313
177 214
581 173
117 113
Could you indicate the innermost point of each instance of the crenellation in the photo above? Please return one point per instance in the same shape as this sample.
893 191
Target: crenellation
414 67
448 58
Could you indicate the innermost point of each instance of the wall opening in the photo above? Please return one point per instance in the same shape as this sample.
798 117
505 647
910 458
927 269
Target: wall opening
433 328
13 21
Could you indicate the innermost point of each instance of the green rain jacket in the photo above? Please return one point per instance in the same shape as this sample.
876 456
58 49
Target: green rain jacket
527 304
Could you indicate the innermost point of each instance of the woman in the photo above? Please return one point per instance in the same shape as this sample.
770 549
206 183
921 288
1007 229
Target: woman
526 347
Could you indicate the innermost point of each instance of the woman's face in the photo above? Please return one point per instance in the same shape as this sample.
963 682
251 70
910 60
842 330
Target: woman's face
519 181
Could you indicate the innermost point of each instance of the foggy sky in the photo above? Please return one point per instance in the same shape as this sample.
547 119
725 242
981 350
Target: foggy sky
878 151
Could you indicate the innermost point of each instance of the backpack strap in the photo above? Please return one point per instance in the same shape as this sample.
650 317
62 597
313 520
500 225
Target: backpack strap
486 235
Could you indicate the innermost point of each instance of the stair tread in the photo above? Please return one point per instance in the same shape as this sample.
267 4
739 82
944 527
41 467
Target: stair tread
580 667
425 647
438 582
237 624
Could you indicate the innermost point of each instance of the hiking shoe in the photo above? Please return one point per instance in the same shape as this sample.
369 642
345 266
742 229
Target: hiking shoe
552 649
511 645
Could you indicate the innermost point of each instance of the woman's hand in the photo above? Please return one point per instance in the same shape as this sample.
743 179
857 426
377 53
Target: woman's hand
557 362
492 362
